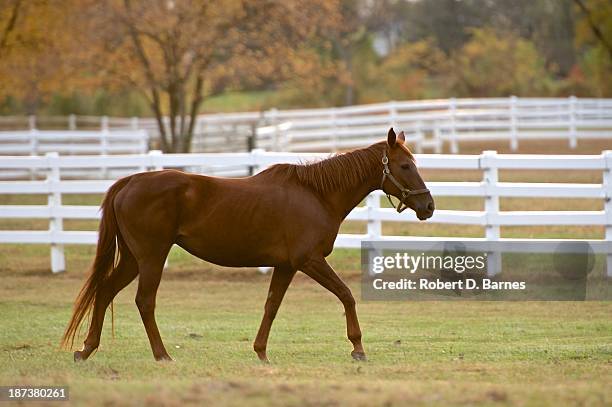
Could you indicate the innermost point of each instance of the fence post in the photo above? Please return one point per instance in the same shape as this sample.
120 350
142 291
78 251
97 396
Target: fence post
607 185
143 141
134 123
573 142
199 135
104 142
33 142
33 150
54 201
492 231
153 165
104 149
418 144
334 129
104 123
255 161
437 134
274 122
393 115
374 224
143 146
72 122
513 126
452 106
32 122
600 109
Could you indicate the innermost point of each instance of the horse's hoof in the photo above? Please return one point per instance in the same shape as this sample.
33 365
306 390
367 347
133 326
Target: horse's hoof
78 356
164 358
359 356
263 358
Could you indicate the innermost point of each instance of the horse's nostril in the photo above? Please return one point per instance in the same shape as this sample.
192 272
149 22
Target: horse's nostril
430 206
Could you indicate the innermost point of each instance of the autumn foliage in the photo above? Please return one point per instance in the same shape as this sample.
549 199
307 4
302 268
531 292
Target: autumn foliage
172 55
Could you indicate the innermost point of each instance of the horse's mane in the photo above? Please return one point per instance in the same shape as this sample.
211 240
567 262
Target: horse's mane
338 172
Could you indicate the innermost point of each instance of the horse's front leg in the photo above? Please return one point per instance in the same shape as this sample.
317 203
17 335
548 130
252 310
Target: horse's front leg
319 270
281 277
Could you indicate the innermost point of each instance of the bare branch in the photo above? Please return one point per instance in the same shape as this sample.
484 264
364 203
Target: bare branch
596 30
10 25
150 77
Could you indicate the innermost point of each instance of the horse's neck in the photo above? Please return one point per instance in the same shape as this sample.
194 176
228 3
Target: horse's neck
344 201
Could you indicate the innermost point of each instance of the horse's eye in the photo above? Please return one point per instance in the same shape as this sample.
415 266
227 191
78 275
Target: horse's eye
405 166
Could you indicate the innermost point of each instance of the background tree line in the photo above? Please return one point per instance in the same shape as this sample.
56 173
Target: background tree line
177 58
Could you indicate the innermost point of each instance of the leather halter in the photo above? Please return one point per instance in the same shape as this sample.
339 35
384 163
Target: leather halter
405 192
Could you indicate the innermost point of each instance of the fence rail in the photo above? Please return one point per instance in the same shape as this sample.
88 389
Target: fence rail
430 124
489 188
35 142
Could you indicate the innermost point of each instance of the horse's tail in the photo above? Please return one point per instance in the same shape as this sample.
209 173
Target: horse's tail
102 267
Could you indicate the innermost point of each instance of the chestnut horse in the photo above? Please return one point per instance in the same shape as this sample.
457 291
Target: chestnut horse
286 217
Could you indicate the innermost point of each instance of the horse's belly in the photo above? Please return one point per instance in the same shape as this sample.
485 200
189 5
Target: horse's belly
231 252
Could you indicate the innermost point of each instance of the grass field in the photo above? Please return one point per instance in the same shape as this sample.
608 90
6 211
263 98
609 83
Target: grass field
529 353
420 353
240 101
440 353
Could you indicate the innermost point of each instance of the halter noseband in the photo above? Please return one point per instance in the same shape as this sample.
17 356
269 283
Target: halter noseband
406 193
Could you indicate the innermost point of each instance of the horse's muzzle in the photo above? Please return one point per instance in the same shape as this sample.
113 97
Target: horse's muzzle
425 212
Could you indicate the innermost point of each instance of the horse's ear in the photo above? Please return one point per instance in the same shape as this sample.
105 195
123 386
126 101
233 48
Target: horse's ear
391 137
401 137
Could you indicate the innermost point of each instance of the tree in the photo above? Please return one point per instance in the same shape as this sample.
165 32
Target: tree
33 43
413 71
494 64
177 52
598 20
591 75
549 24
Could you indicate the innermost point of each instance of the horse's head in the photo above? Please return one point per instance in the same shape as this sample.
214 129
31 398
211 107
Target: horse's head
401 178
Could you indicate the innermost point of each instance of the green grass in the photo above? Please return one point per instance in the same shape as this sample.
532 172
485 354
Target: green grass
419 352
239 102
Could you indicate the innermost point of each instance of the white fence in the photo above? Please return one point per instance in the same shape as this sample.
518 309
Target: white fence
430 124
73 142
433 123
489 188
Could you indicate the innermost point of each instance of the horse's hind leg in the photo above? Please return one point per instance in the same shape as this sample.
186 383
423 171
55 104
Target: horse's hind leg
125 272
281 278
148 283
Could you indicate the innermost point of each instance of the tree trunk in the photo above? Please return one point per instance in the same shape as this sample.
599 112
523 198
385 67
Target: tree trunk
196 102
10 25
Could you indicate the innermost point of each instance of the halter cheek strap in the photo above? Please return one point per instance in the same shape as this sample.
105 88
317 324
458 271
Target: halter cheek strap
405 192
